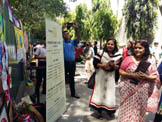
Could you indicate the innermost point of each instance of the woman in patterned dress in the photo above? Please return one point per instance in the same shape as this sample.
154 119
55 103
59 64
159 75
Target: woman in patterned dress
134 97
103 95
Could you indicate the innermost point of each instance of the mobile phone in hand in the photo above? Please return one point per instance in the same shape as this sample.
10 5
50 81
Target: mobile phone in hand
69 25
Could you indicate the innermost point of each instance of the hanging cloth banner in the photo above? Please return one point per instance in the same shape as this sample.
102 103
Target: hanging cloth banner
19 38
3 115
2 29
26 41
16 22
19 44
10 11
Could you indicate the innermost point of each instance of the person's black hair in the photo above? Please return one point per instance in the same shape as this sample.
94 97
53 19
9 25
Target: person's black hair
115 46
131 47
44 38
95 42
145 44
88 44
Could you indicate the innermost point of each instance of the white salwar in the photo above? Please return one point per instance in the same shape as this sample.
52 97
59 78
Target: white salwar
89 69
103 95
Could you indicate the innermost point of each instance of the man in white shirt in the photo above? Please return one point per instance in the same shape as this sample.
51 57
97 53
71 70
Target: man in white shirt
40 54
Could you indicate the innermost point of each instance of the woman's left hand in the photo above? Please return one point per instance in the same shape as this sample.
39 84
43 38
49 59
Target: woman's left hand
142 75
147 77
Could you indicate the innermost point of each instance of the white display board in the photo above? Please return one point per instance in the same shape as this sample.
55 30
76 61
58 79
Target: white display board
55 97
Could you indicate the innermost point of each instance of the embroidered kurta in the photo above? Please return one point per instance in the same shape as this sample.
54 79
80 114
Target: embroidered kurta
103 95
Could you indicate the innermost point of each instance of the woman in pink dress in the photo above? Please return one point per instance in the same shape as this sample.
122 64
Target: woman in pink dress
136 85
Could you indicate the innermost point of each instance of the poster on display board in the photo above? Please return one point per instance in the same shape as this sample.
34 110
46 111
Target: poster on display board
26 41
19 44
55 97
16 22
2 29
9 11
10 14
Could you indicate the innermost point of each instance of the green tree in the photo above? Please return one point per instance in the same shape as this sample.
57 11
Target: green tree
104 22
82 17
141 18
32 13
96 24
70 17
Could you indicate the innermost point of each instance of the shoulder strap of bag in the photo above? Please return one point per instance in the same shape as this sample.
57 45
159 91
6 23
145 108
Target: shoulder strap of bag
102 54
143 66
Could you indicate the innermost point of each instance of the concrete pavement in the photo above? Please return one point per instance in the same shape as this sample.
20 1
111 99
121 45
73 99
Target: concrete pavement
78 109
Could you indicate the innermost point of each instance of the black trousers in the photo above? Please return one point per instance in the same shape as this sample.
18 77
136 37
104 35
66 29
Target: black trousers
70 68
40 74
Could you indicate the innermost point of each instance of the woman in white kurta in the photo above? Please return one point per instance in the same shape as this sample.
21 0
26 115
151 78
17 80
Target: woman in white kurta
103 95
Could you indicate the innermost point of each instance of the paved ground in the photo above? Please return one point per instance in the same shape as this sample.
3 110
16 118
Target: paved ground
78 109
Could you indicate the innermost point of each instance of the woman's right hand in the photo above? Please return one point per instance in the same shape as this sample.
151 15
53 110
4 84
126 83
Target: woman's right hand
64 25
105 65
109 66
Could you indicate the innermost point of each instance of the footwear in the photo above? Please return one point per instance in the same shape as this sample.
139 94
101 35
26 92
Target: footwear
75 96
43 92
97 115
112 116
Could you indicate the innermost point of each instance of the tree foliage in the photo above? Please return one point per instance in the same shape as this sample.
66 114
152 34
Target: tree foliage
99 23
141 18
104 22
32 13
83 19
81 16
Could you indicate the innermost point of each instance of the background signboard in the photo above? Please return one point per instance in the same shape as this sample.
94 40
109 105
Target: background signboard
55 97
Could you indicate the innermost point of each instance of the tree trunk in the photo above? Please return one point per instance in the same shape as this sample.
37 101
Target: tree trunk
101 44
150 39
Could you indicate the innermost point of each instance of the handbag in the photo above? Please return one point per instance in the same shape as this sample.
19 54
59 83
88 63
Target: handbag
91 81
142 67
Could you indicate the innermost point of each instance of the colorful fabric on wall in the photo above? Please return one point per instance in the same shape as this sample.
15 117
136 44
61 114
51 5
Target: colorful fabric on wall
17 22
3 116
19 38
2 29
26 41
1 54
19 44
10 11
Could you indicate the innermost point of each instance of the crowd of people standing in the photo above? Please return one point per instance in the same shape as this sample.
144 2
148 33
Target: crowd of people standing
139 85
135 66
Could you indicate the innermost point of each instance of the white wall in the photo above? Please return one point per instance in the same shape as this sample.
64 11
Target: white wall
158 30
117 6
